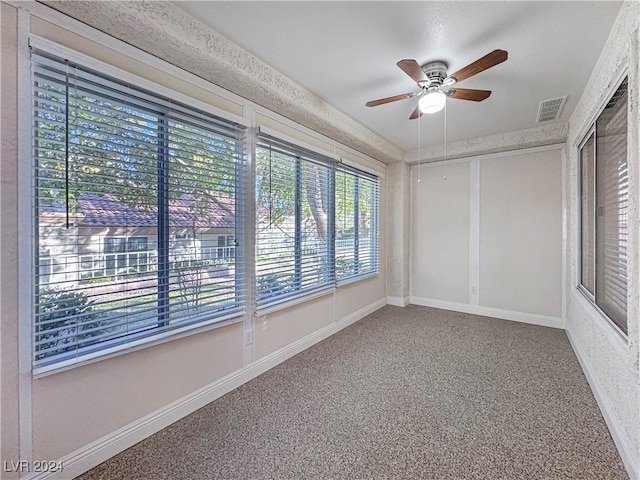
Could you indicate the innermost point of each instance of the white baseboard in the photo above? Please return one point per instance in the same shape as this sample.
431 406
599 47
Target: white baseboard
531 318
620 438
106 447
398 301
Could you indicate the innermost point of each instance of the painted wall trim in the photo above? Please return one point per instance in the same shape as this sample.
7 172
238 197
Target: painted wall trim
521 317
474 232
503 142
490 155
106 447
398 301
623 442
26 242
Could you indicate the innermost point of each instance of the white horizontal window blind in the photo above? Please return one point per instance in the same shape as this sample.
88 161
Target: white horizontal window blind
294 221
612 193
604 209
132 194
356 241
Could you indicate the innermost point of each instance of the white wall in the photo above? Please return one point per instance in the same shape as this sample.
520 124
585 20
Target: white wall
440 229
520 241
90 412
609 360
488 238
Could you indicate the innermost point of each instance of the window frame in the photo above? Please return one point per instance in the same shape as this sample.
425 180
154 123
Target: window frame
580 286
358 176
29 284
301 154
591 131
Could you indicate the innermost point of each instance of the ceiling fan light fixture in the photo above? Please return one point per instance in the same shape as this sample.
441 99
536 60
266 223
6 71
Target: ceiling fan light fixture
432 102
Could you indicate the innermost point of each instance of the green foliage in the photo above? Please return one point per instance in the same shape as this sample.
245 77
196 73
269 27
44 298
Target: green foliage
275 284
60 321
114 149
89 281
345 267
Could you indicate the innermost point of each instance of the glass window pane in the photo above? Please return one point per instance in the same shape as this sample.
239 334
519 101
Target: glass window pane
612 192
131 193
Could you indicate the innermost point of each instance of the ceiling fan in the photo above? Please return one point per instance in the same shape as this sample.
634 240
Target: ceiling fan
435 85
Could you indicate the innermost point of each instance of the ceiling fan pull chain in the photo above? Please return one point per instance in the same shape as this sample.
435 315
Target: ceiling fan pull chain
419 156
444 177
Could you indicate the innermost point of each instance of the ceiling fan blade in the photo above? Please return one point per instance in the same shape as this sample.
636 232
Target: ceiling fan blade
416 113
489 60
395 98
411 68
468 94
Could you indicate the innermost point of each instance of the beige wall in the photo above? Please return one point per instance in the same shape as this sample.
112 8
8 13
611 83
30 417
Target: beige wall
277 330
440 229
72 408
78 406
520 242
490 235
9 400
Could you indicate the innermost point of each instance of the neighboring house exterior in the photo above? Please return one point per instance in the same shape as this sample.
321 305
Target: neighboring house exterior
106 238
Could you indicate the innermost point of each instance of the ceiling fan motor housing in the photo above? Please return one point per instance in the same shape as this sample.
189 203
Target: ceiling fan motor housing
436 72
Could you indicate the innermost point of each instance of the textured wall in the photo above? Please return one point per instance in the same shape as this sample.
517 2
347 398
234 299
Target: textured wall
9 402
505 142
610 361
398 239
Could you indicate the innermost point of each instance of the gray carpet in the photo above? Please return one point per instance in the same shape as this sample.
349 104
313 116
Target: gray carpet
409 393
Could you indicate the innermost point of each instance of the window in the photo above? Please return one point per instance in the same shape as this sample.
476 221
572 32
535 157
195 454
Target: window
121 255
604 182
356 206
130 191
294 221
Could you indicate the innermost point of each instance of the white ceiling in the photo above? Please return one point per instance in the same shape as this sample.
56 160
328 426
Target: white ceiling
346 53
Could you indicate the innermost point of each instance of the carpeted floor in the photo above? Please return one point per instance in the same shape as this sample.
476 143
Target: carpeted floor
408 393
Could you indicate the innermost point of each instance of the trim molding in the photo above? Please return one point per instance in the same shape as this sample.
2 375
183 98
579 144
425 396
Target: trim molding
106 447
521 317
398 301
538 137
622 441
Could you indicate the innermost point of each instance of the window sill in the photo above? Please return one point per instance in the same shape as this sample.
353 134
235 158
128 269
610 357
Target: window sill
357 278
261 312
150 341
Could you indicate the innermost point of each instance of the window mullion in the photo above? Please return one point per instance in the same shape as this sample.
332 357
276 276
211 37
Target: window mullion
163 222
594 236
298 226
356 224
331 224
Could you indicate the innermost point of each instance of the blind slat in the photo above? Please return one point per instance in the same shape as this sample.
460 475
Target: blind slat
118 171
604 209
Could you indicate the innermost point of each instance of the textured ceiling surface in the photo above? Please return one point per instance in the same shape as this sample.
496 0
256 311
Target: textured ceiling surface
346 53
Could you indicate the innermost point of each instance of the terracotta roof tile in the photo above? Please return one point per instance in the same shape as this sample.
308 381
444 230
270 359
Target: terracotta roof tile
107 211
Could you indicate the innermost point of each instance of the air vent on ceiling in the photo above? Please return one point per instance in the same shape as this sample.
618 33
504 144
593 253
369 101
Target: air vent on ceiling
550 109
